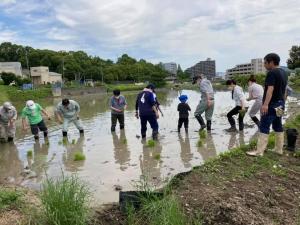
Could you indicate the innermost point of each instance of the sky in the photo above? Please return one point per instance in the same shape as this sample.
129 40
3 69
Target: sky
181 31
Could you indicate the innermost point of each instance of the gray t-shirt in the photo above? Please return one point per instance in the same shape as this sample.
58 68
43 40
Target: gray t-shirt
118 103
206 88
5 116
70 111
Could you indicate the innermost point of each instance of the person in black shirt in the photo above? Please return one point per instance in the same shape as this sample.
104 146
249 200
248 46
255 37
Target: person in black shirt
273 105
183 109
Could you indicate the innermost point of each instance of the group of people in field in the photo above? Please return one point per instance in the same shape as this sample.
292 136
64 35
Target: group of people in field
269 101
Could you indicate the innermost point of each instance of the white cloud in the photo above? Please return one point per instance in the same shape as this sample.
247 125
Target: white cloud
230 31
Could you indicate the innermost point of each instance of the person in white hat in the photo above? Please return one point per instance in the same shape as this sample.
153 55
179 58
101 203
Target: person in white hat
8 116
33 112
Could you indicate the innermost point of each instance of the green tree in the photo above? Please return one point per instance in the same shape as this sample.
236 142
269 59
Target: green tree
8 78
294 60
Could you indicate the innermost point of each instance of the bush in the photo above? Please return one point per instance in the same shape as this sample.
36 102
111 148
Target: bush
8 198
8 78
65 201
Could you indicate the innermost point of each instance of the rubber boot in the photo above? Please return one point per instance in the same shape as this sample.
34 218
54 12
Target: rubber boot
201 122
121 127
143 135
241 126
279 141
113 129
186 130
262 143
10 139
65 134
208 125
81 132
256 121
178 129
232 126
154 135
45 134
36 137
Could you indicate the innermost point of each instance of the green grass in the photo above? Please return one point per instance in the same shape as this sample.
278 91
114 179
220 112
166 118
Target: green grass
79 156
157 157
271 141
202 134
151 143
9 198
297 154
124 87
15 94
199 143
65 201
29 153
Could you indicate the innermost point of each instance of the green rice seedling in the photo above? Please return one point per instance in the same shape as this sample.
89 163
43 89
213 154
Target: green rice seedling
8 198
202 134
65 141
271 141
157 157
65 201
73 141
79 156
151 143
60 142
124 141
29 153
199 143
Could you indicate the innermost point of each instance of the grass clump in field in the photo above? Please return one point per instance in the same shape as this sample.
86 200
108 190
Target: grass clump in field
202 134
271 141
65 201
8 198
151 143
199 143
79 156
157 157
29 153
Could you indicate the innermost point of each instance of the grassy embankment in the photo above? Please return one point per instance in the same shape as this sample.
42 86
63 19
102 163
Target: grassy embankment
9 93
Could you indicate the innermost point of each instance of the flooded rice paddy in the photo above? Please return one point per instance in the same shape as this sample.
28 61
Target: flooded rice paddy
118 160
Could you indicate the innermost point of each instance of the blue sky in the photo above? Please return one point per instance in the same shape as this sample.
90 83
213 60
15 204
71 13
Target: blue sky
229 31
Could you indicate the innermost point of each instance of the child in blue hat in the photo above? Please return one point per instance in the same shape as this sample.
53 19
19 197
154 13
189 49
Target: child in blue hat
183 109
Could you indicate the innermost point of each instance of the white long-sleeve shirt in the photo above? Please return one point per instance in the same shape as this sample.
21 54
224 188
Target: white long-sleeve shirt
238 96
256 91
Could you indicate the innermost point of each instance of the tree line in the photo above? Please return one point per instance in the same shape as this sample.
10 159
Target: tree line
76 65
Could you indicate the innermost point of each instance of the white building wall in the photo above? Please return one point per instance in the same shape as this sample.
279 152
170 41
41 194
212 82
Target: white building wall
11 67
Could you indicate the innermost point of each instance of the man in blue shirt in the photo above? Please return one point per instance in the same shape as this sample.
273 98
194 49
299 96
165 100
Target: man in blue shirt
147 112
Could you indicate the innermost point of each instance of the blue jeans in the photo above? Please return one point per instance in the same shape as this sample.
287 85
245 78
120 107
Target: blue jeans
153 123
271 118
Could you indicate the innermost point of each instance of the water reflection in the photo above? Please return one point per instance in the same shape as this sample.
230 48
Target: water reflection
71 148
121 152
9 161
150 163
208 150
185 150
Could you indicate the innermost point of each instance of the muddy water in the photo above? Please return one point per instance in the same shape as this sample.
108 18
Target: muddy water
121 158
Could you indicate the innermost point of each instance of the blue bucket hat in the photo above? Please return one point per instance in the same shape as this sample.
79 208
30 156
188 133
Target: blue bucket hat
183 98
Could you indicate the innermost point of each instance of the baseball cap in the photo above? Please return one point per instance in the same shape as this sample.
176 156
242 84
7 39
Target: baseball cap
7 105
30 104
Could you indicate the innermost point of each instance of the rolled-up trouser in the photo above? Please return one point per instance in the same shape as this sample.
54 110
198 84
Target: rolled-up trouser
115 118
39 126
75 121
203 107
7 131
255 108
270 118
153 123
231 120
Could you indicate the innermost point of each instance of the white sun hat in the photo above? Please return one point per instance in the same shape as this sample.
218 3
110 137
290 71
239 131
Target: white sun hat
7 105
30 104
